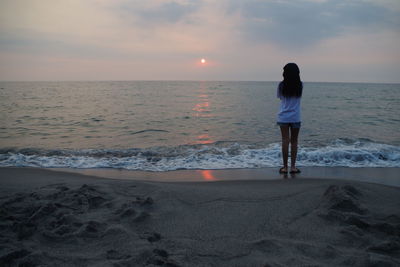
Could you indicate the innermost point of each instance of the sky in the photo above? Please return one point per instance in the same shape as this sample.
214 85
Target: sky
330 40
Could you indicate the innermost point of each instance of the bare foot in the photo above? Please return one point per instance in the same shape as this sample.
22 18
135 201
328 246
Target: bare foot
294 170
283 170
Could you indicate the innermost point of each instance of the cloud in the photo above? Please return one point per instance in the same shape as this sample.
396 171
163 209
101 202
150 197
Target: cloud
153 12
162 39
93 28
304 22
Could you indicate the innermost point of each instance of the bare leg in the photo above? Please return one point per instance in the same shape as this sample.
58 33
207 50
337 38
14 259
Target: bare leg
285 146
294 134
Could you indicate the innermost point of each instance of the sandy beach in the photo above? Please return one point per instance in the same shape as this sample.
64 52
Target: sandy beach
51 218
161 133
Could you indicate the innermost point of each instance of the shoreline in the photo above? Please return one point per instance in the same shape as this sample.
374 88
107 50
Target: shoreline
386 176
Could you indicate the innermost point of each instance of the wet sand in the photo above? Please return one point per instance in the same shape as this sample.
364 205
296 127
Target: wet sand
69 219
386 176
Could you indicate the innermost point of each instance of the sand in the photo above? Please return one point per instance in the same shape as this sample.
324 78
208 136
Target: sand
50 218
386 176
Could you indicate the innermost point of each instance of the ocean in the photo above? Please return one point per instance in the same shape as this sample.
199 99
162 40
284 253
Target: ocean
174 125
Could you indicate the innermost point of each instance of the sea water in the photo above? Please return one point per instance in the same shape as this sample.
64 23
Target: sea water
170 125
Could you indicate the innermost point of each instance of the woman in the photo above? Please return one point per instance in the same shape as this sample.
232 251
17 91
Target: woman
289 92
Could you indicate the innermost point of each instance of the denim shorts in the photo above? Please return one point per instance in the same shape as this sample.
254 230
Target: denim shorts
290 124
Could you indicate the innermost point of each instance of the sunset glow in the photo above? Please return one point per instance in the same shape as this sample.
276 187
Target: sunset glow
179 40
208 175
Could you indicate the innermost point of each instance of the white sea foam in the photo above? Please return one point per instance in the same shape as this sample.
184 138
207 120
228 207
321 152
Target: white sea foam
338 153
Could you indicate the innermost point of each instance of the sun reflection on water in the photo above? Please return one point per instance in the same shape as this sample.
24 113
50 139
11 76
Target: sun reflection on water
208 175
202 110
204 139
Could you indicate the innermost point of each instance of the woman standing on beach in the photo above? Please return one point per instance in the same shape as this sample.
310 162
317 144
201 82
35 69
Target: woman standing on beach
289 92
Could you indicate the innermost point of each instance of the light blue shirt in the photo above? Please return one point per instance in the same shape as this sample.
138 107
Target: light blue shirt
289 111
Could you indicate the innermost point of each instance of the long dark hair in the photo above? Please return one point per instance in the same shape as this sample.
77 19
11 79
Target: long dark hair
291 86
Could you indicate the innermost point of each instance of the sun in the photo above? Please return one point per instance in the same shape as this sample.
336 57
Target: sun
203 61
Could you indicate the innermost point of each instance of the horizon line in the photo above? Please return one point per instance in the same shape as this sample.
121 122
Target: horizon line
178 80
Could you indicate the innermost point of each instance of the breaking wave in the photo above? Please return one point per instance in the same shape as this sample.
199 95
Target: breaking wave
342 152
